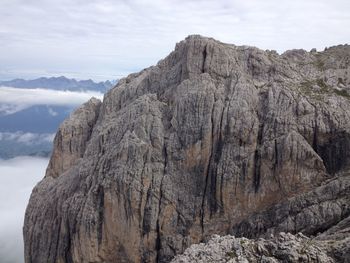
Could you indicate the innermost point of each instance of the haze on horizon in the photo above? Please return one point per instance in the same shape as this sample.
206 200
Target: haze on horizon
109 39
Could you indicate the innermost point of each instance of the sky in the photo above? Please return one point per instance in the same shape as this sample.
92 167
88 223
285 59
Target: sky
17 178
108 39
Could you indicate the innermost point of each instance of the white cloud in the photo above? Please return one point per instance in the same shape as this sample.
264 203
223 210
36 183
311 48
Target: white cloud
17 178
7 109
27 138
14 99
105 39
52 112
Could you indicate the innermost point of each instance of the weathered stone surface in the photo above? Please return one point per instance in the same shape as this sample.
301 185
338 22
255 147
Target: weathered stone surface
71 138
207 138
310 213
282 248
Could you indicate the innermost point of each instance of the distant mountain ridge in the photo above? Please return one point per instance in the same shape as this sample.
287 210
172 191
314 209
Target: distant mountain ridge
39 121
60 83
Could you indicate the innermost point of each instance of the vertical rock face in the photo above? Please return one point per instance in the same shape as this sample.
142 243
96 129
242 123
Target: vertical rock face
210 136
72 137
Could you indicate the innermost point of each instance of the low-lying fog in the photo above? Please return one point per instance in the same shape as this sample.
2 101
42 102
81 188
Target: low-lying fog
17 178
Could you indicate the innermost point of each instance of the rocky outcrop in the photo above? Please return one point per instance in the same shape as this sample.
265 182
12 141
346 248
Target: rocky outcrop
282 248
322 213
72 137
197 145
311 213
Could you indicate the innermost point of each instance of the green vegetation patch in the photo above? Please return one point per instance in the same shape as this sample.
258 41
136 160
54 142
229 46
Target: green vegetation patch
319 63
231 254
342 93
316 89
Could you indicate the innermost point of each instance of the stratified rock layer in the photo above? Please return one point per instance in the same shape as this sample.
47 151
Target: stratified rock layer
197 145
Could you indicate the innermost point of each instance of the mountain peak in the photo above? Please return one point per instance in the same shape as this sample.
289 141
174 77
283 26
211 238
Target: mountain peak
214 139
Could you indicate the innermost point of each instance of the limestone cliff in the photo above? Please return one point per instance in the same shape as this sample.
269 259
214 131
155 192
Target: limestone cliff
205 142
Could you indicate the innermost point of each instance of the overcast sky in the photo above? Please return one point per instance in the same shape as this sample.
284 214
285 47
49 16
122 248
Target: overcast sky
107 39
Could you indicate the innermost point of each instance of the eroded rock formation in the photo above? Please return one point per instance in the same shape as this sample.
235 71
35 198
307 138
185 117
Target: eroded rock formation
197 145
282 248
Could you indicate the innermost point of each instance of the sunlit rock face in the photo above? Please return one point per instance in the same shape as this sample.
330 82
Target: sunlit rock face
197 145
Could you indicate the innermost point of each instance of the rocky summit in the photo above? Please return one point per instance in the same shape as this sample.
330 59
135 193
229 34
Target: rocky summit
214 139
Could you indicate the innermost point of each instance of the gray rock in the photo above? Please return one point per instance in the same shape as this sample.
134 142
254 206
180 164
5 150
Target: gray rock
310 213
283 248
71 138
209 137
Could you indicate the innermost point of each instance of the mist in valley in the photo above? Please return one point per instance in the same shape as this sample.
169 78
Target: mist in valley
18 176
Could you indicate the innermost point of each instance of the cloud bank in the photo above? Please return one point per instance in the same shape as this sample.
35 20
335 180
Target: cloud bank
108 39
14 99
27 138
17 178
